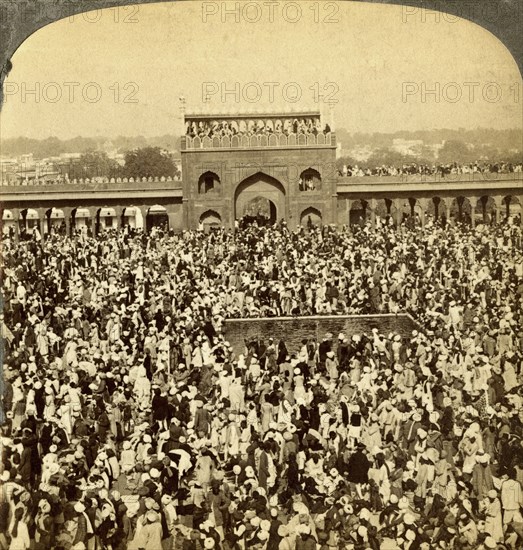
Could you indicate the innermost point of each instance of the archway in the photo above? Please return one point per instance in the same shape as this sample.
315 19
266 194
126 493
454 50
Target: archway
359 213
210 220
512 209
8 222
132 217
28 220
157 217
310 217
310 180
485 210
434 209
383 209
81 219
105 220
208 182
404 211
260 189
259 209
55 221
461 210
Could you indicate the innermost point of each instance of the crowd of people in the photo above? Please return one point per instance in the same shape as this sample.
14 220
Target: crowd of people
442 170
131 422
206 128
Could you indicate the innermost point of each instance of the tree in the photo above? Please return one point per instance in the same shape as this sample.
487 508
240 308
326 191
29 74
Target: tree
149 162
389 157
455 150
94 164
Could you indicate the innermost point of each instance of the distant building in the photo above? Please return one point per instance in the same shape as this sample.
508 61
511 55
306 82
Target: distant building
40 173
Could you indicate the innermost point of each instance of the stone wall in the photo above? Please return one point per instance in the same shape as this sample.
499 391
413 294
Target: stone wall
293 329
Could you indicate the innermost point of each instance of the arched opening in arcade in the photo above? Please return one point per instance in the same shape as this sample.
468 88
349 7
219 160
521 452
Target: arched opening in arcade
28 221
157 218
55 221
81 220
208 182
309 180
132 217
460 210
485 210
441 211
359 213
417 214
383 210
259 195
210 220
105 220
8 223
434 211
311 218
409 212
513 210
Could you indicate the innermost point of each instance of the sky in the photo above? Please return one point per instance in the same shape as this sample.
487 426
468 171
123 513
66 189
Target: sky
122 71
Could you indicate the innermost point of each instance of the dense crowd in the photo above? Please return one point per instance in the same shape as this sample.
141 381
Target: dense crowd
131 421
442 170
256 127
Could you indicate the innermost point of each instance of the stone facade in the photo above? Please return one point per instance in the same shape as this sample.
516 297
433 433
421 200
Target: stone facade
220 179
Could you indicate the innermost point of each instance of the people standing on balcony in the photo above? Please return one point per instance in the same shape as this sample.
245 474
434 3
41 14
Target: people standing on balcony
255 127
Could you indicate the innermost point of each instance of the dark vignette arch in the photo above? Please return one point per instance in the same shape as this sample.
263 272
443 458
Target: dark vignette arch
19 20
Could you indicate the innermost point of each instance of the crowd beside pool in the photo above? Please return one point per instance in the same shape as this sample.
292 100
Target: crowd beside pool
129 421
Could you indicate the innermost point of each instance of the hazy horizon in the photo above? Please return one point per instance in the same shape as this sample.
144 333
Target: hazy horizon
121 73
152 136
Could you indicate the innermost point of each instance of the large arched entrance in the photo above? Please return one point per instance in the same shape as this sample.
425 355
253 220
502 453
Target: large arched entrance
260 194
259 209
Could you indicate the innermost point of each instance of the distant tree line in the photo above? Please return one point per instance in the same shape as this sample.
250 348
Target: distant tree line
453 150
54 147
485 141
141 162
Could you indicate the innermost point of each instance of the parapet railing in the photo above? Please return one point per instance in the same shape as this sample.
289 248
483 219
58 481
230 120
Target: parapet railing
476 177
97 183
258 140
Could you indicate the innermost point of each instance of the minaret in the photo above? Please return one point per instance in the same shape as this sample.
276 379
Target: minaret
183 101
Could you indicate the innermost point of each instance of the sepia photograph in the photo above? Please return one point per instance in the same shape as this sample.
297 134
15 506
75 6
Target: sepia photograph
261 269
